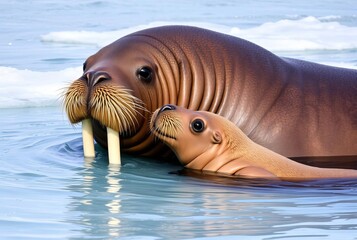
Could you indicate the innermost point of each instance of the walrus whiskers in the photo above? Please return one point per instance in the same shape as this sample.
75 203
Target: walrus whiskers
114 107
74 101
75 105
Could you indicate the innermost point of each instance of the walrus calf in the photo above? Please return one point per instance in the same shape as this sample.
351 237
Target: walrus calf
205 141
293 107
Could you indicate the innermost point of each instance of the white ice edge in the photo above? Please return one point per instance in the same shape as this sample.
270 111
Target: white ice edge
308 33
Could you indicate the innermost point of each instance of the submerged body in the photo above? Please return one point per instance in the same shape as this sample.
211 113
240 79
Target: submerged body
205 141
293 107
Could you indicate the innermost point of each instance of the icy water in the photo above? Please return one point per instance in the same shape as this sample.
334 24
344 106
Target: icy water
49 191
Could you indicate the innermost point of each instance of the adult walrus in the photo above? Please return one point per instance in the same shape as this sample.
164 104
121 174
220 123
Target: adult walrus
293 107
208 142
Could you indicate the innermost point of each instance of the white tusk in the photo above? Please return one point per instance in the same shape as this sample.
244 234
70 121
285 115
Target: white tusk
113 146
88 141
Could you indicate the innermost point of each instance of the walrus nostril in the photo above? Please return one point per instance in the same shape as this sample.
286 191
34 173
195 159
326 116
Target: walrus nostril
93 78
167 107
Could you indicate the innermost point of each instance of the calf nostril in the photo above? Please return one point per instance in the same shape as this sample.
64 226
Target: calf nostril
167 107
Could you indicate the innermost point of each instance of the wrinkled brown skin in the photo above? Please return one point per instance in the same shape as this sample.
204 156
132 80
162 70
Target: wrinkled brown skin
222 148
296 108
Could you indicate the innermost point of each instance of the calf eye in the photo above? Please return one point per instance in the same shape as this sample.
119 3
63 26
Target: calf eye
197 125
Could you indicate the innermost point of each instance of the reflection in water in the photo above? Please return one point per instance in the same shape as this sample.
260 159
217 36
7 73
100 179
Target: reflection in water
114 205
99 200
140 199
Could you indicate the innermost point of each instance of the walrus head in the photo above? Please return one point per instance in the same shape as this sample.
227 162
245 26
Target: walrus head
120 87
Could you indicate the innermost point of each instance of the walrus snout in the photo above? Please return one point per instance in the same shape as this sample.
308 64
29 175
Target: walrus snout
112 106
95 96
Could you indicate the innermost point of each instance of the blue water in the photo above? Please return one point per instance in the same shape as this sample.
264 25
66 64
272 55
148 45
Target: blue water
49 191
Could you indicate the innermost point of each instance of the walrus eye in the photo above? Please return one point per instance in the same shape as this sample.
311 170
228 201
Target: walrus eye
84 66
197 125
145 74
